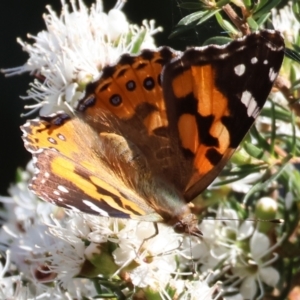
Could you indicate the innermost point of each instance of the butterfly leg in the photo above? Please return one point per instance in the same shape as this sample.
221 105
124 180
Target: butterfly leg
156 232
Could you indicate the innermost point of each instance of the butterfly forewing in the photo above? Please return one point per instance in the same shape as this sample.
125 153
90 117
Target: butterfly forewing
213 96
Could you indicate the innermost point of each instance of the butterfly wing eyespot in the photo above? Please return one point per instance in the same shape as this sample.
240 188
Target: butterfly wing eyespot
88 101
57 119
155 130
132 85
115 100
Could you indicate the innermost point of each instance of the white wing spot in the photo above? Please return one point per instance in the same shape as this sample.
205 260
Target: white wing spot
60 199
241 48
251 104
47 175
239 69
53 149
61 137
27 124
265 62
274 48
224 55
95 208
63 189
52 140
272 74
57 193
254 60
72 208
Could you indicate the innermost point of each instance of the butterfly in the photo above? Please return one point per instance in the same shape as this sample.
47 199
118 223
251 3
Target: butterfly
154 130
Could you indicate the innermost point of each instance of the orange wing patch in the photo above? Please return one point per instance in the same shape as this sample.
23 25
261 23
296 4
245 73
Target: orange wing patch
212 106
131 89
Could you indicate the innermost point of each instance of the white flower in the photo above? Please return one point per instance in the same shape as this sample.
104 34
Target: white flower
224 238
256 270
284 20
7 289
227 243
74 49
155 257
200 290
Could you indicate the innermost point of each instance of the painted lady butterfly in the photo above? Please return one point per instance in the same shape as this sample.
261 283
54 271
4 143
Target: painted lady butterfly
155 130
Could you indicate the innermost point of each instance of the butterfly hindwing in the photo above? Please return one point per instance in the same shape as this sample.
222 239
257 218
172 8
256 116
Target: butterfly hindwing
74 170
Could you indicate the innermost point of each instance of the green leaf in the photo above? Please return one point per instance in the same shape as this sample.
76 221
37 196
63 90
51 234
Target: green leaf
222 3
255 151
294 136
292 54
265 7
257 5
273 129
226 25
191 18
217 40
296 47
249 4
262 19
189 22
19 175
243 170
263 185
296 84
262 143
109 289
279 113
296 10
253 25
294 186
208 15
136 45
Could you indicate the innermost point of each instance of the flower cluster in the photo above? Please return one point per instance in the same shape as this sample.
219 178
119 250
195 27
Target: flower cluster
74 49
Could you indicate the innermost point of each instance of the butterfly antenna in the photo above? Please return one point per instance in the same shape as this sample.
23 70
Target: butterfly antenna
274 221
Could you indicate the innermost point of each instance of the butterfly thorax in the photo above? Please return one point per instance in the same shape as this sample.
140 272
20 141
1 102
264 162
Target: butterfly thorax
174 211
160 194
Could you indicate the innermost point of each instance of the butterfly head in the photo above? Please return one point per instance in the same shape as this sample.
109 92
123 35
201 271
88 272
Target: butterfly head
188 226
186 223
